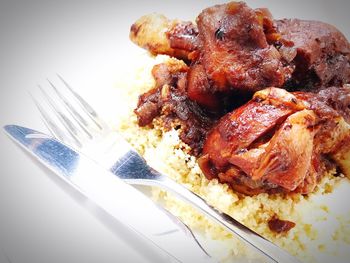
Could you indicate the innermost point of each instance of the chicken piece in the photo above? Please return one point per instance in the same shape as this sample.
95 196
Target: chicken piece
199 88
237 130
234 49
319 52
160 35
150 103
338 98
168 100
287 159
277 142
239 48
333 105
226 55
184 36
278 97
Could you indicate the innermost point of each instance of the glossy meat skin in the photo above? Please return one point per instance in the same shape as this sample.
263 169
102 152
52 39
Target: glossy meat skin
263 102
234 49
287 159
233 135
237 130
275 143
183 36
226 48
243 49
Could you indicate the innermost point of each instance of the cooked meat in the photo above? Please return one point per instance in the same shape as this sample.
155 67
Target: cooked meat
148 32
275 143
287 159
333 105
169 100
183 36
278 141
234 49
237 130
319 52
242 48
150 103
341 155
199 88
160 35
280 226
338 98
148 107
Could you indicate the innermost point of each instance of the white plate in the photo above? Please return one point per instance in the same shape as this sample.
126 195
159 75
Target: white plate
85 41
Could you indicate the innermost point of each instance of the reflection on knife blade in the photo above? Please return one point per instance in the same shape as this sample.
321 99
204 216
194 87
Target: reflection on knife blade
118 199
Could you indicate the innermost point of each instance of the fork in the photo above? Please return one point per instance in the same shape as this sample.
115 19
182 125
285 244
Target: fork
75 122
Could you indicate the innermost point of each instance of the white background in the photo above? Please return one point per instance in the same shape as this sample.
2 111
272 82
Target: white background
86 41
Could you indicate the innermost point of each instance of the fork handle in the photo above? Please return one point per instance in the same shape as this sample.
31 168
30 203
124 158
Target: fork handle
133 169
272 252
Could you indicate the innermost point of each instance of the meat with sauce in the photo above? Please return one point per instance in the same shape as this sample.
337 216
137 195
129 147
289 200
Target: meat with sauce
280 226
277 142
273 141
160 35
169 100
318 51
233 47
234 50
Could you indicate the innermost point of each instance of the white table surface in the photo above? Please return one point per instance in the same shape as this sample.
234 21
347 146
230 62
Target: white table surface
86 41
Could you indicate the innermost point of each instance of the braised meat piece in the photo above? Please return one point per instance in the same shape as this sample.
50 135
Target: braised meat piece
183 36
227 48
287 158
237 50
160 35
234 50
169 100
237 130
319 52
241 48
277 142
282 139
280 226
338 98
333 104
150 103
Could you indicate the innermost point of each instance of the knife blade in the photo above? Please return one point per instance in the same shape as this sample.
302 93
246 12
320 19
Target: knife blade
123 202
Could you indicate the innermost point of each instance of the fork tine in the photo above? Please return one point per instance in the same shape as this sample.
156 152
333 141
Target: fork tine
70 127
86 106
53 128
75 115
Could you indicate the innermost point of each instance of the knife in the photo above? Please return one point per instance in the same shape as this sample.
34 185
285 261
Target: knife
126 204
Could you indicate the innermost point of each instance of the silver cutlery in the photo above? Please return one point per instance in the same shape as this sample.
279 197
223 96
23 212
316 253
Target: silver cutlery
71 119
118 199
